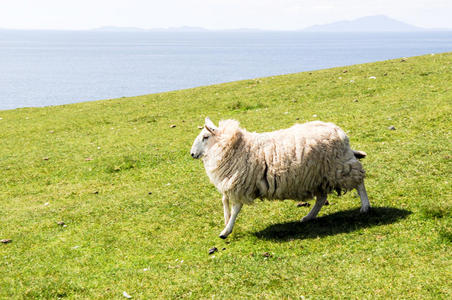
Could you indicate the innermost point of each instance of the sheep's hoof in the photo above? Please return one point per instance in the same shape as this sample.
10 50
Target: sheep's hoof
364 210
224 234
305 219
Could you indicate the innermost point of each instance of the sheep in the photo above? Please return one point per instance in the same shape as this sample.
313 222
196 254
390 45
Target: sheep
300 162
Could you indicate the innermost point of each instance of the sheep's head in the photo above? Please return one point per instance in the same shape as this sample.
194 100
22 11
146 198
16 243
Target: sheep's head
204 140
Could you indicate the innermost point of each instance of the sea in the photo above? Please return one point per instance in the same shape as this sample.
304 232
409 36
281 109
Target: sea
42 68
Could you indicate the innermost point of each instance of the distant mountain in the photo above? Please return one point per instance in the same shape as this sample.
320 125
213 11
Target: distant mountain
172 29
136 29
366 24
244 30
181 29
118 29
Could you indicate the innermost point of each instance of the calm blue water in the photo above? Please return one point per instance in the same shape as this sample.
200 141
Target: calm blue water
39 68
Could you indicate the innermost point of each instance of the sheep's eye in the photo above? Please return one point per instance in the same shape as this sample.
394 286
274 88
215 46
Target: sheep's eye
204 138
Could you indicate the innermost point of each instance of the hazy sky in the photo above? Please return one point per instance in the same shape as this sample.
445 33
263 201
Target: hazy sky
214 14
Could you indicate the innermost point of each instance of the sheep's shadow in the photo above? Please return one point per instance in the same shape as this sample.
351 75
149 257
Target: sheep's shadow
336 223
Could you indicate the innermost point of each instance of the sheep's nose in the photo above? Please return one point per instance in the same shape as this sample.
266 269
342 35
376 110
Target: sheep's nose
192 155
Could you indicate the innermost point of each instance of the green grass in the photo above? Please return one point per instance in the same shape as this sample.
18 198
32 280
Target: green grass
93 165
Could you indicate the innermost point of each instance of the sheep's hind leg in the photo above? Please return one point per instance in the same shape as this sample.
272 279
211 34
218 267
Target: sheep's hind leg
227 213
320 200
365 204
228 229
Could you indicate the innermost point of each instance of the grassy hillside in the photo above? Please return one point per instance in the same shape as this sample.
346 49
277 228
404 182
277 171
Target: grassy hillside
141 215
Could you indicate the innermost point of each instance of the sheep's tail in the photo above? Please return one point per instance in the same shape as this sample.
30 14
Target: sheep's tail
359 154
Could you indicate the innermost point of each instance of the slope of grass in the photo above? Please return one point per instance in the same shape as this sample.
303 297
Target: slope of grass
141 215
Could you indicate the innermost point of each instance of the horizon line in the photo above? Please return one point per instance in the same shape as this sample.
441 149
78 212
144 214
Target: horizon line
190 28
203 29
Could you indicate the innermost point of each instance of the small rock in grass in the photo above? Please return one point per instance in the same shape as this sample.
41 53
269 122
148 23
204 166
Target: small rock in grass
355 100
326 203
96 192
200 127
45 158
52 131
301 204
213 250
403 59
266 254
297 119
47 203
61 223
391 127
345 71
372 77
88 159
223 249
385 74
126 295
5 241
314 116
149 193
173 126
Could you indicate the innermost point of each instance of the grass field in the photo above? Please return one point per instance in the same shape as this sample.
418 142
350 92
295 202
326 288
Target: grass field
141 215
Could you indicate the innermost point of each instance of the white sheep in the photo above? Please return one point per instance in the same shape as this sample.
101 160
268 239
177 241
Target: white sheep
299 162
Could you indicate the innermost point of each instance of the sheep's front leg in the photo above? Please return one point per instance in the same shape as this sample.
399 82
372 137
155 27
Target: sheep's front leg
227 213
365 204
320 200
228 229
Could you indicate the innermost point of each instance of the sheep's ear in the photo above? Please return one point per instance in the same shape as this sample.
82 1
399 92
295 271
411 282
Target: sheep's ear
210 126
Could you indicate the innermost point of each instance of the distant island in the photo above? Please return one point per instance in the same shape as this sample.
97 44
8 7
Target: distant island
379 23
129 29
171 29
